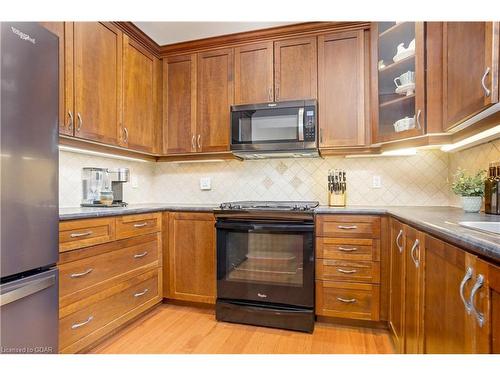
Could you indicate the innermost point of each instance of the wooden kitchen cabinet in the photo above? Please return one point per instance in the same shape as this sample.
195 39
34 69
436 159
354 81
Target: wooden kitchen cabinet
214 98
141 71
179 104
397 284
470 69
192 257
97 77
398 80
253 73
343 80
295 69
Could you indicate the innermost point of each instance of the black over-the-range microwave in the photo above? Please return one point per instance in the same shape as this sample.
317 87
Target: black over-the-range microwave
282 129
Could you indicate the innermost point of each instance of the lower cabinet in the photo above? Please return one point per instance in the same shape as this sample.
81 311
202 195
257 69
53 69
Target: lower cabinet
191 248
488 300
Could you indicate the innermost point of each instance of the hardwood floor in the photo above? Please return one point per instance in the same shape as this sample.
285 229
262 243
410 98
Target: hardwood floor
172 329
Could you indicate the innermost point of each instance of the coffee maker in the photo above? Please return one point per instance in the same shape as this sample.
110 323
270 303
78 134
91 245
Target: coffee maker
98 184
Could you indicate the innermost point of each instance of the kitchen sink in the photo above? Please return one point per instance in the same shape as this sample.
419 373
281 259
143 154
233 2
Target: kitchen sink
483 226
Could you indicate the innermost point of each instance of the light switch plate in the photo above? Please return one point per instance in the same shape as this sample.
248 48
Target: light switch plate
377 182
205 183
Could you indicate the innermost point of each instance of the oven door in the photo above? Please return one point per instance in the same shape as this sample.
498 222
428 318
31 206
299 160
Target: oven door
266 262
273 127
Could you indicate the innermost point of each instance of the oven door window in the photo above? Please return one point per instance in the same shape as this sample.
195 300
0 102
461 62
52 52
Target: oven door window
265 126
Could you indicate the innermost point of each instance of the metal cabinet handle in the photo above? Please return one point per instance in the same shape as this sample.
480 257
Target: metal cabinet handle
419 112
193 145
346 271
198 141
478 285
487 91
348 227
141 293
347 249
71 121
415 246
140 225
82 234
125 134
467 277
400 247
270 94
351 300
75 275
80 122
142 255
78 325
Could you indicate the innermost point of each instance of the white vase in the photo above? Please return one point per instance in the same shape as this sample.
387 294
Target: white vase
472 204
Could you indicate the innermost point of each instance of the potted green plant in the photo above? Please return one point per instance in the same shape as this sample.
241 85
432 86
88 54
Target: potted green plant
470 188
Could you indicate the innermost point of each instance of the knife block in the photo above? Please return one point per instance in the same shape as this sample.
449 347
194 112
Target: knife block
337 199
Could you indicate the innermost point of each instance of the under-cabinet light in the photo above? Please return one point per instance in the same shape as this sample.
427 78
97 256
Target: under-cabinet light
399 152
97 153
473 140
194 161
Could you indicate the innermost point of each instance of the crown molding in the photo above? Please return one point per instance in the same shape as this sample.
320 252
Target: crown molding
140 37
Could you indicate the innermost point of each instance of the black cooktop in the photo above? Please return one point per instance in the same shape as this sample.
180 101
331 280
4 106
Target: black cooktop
270 205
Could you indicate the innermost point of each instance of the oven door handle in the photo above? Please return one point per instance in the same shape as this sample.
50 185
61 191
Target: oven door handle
266 227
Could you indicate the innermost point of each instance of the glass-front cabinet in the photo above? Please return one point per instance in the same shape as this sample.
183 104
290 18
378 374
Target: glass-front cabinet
399 80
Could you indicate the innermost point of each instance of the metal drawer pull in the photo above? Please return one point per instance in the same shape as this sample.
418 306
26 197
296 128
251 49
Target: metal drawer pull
416 244
140 225
352 300
478 285
347 227
467 277
347 249
142 255
487 91
400 247
83 234
141 293
346 271
78 325
75 275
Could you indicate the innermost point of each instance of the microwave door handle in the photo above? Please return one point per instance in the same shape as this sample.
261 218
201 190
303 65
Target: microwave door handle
300 124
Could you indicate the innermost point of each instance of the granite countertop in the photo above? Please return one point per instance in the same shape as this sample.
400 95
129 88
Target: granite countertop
441 222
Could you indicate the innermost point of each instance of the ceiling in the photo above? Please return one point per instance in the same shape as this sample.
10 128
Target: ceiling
174 32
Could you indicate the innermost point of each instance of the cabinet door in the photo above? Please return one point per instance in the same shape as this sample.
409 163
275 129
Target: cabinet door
179 104
447 324
65 123
414 251
253 73
140 97
486 308
192 257
215 96
342 82
295 69
397 284
97 81
470 69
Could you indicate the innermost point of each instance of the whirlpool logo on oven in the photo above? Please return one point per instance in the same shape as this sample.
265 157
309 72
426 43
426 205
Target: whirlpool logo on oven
22 35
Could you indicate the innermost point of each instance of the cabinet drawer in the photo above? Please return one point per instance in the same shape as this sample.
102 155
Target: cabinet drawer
348 248
347 300
123 257
348 226
348 270
135 225
82 233
106 307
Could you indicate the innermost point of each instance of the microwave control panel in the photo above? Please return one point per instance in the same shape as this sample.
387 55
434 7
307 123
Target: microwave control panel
309 125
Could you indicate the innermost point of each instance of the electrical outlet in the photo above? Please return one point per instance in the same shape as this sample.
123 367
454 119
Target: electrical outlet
135 182
205 183
377 182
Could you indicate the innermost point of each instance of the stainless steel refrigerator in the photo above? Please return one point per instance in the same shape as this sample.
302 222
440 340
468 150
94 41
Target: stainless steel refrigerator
29 216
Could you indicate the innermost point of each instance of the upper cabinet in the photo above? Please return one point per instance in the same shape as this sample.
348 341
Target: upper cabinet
138 130
295 69
253 73
97 81
343 81
214 98
398 80
179 104
470 69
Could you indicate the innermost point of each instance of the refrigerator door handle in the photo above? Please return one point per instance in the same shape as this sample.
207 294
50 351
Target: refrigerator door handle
27 289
